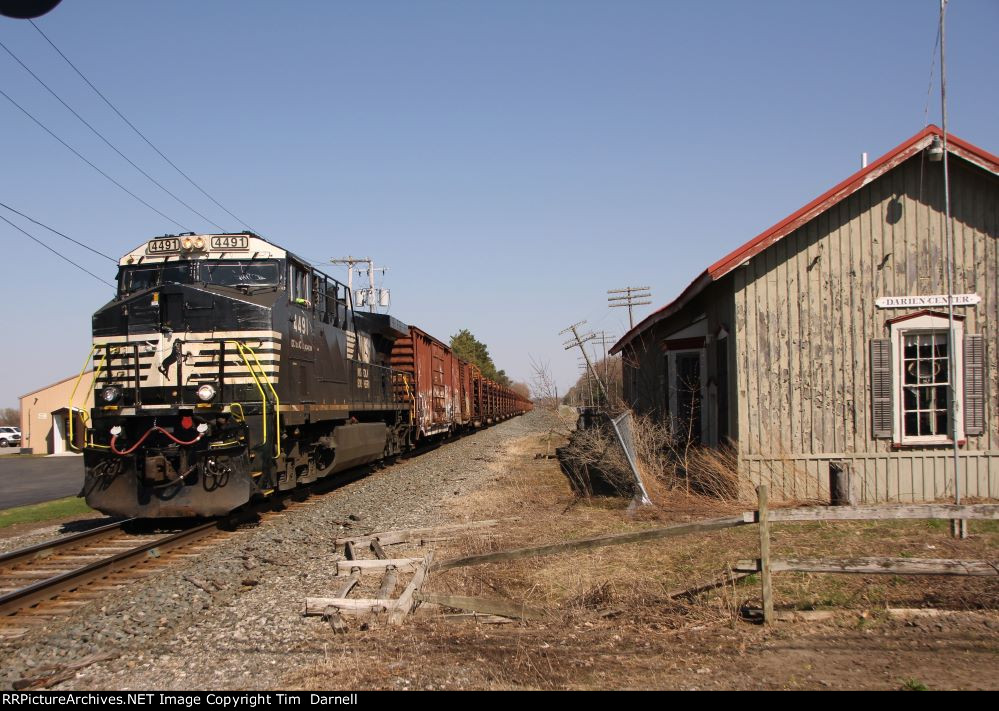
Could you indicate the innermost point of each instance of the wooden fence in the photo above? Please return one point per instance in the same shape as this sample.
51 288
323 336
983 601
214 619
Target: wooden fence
331 607
766 566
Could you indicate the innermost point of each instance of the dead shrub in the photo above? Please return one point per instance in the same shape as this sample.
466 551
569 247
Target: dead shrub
669 456
595 464
595 597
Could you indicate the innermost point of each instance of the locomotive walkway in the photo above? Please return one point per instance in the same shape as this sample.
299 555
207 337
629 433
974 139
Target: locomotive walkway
32 480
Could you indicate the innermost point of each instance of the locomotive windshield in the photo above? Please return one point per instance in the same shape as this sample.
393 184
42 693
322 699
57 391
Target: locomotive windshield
231 273
219 273
144 277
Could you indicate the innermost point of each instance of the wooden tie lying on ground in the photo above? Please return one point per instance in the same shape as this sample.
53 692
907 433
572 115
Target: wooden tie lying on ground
350 570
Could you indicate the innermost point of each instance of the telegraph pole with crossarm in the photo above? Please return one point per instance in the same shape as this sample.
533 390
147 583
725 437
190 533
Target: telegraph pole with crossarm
631 298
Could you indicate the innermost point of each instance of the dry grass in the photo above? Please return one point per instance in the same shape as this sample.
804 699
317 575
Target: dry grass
611 619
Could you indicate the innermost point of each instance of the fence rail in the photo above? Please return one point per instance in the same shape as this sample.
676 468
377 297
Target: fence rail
880 513
765 565
875 566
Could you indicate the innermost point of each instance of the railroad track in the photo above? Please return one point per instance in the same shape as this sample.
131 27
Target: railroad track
50 579
47 580
53 578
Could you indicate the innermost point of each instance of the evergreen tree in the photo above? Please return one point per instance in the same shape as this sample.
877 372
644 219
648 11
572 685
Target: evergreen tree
468 347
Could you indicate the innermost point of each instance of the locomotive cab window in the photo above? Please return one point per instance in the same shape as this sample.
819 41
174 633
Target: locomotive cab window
298 284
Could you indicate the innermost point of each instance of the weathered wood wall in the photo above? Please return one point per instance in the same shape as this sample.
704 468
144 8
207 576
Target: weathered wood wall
805 313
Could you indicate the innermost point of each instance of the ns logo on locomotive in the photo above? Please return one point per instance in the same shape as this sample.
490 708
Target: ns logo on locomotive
227 368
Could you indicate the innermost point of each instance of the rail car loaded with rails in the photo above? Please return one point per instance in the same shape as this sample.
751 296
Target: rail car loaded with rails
227 368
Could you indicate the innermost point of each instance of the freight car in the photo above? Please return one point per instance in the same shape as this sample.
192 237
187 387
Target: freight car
226 368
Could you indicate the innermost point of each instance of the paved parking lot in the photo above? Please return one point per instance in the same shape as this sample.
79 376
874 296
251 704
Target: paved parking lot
30 480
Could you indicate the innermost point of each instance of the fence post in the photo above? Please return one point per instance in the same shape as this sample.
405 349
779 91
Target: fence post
841 488
768 601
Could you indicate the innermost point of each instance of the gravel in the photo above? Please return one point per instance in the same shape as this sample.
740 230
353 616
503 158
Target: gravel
231 618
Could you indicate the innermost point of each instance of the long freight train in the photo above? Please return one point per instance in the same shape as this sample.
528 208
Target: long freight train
227 368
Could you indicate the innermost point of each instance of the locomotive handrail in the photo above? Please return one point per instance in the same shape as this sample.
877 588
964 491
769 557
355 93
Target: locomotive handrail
76 386
242 349
256 381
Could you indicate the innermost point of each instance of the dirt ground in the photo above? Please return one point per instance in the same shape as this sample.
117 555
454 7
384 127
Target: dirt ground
610 621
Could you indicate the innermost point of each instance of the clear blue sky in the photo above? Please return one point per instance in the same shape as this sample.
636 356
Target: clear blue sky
509 161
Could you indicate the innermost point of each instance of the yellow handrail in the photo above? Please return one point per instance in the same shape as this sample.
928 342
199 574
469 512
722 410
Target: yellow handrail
277 400
93 384
243 349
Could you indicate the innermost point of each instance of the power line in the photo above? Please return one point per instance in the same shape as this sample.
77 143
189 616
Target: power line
138 132
54 231
80 156
106 141
56 253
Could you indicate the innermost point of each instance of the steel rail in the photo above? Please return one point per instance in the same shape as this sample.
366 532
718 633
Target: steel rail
46 548
47 589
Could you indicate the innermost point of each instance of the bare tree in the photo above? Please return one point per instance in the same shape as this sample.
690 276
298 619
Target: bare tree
546 399
10 417
610 370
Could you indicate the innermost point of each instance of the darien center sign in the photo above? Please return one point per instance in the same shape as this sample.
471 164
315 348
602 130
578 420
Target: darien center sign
910 302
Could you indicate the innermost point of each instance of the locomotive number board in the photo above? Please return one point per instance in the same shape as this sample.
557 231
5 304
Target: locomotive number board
229 242
167 245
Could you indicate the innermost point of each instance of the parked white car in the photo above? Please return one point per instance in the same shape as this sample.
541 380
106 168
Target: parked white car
10 436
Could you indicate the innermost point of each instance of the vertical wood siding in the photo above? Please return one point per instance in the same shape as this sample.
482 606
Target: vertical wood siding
805 316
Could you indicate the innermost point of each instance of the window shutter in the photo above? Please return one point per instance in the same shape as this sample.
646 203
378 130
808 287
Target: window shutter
974 385
881 388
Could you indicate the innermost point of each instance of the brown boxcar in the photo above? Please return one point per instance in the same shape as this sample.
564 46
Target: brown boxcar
430 380
445 393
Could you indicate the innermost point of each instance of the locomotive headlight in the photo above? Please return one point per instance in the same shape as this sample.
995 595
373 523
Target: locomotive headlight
206 392
199 243
110 394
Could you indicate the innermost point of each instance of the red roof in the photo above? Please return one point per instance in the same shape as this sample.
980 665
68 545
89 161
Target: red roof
789 224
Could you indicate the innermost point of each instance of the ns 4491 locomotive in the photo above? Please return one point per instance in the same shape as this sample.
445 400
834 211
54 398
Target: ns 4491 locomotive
226 368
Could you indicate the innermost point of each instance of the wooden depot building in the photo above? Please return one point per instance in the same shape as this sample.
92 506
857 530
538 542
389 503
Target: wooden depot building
825 339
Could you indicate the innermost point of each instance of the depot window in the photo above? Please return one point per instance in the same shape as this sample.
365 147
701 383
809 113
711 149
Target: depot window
912 391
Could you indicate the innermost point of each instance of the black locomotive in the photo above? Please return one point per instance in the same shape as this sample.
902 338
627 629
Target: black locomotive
227 368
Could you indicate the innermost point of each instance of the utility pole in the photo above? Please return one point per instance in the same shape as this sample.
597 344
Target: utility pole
372 296
577 341
604 340
585 383
631 298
